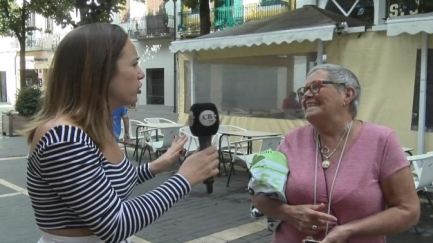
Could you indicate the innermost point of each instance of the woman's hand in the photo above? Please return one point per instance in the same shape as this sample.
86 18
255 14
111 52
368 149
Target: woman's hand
200 165
170 156
310 219
339 234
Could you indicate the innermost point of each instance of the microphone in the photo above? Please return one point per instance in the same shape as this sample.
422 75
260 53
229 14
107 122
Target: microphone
204 123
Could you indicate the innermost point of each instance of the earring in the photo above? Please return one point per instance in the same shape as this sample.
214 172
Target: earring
344 103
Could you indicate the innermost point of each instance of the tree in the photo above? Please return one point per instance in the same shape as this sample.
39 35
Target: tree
14 16
97 10
204 12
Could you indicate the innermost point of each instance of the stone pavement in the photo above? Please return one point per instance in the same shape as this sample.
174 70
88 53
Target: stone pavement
12 146
198 218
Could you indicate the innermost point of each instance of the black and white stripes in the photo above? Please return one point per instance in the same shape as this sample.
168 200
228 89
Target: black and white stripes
71 184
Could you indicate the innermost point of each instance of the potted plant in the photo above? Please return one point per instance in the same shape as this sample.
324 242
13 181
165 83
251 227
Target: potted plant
26 106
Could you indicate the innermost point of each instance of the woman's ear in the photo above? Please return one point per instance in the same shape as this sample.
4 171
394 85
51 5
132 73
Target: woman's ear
350 95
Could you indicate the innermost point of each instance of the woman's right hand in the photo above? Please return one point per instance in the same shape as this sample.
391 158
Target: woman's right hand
303 217
200 165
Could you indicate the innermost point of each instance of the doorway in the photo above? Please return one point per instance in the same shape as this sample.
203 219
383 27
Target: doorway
155 86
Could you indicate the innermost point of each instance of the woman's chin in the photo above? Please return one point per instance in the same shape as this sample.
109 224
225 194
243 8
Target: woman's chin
311 115
134 99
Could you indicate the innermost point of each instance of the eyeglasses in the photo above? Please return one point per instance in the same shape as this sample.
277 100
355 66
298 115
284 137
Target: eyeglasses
315 86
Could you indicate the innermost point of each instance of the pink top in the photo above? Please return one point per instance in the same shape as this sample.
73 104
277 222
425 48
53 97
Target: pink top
374 155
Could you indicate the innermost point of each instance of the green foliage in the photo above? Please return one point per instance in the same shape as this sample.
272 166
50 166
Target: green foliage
28 101
192 4
98 13
15 13
13 16
58 10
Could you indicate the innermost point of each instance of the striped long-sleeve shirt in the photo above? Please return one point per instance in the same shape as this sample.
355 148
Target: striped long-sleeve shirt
72 185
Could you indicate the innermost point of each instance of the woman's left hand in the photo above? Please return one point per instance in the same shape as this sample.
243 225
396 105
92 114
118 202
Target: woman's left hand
170 156
339 234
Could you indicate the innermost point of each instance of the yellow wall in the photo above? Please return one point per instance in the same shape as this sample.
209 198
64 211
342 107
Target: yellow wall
386 69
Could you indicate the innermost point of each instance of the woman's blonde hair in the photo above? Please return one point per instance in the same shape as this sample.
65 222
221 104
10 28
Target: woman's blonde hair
79 76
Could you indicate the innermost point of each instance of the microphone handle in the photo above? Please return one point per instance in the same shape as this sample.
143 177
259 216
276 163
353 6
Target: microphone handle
204 142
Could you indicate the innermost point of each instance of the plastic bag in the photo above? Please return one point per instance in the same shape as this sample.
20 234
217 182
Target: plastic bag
269 171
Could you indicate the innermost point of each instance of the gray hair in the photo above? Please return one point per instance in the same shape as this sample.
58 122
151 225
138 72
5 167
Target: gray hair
341 74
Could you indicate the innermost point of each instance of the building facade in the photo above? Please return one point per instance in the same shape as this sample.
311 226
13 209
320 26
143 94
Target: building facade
151 27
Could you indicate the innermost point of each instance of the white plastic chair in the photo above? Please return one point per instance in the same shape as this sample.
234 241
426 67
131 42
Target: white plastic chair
132 134
240 148
161 145
192 144
157 120
226 145
424 178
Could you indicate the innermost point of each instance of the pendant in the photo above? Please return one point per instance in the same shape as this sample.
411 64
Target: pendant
326 164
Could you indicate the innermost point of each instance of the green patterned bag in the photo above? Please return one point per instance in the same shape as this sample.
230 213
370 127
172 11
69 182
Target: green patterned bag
269 171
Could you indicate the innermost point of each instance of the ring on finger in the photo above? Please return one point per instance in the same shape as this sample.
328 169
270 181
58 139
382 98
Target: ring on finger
314 227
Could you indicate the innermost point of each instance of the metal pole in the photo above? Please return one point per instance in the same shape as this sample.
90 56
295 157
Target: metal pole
192 78
422 93
175 59
319 59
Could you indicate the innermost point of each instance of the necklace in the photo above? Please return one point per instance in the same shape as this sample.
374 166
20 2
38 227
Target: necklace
325 150
335 175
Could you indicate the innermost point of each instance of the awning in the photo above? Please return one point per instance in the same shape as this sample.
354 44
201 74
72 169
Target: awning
323 33
309 23
411 24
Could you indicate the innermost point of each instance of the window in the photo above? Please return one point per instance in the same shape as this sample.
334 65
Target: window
250 90
48 24
155 86
363 10
408 7
31 20
429 92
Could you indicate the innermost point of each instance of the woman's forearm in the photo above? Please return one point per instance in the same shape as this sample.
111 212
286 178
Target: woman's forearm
391 221
270 207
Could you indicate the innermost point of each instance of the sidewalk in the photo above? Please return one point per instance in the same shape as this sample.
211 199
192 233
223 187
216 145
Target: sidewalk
12 146
146 111
197 218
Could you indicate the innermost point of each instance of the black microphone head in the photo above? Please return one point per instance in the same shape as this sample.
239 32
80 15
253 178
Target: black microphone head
204 119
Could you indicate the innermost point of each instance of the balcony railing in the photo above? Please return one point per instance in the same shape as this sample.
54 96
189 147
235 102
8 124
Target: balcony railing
151 26
226 17
48 41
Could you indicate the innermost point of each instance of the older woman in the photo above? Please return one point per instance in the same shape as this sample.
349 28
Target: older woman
349 179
